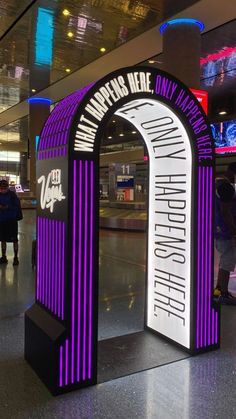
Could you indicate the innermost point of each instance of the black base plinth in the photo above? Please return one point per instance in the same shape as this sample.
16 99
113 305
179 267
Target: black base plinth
43 335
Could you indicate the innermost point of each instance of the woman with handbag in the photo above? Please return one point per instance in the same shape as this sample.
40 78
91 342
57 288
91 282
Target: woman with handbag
10 213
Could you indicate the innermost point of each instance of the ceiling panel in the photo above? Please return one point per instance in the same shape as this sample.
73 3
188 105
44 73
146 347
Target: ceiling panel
10 10
57 37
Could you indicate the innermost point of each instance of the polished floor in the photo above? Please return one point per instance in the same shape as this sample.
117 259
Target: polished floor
195 387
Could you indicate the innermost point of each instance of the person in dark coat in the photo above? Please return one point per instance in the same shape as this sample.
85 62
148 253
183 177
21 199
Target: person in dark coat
10 213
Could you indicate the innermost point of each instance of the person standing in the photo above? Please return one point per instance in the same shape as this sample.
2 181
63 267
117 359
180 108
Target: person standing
10 213
225 232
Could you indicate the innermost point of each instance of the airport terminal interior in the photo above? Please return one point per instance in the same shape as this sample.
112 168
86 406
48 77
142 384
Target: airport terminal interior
48 50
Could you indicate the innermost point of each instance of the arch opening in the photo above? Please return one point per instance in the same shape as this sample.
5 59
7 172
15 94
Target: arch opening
168 284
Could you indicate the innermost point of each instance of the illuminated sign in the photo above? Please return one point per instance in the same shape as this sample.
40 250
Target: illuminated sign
202 97
169 229
51 189
44 36
179 267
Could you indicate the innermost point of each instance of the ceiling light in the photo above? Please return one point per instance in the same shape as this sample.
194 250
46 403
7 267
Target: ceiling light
113 121
121 135
134 132
151 61
222 113
102 49
33 90
109 138
66 12
70 34
181 21
39 100
68 70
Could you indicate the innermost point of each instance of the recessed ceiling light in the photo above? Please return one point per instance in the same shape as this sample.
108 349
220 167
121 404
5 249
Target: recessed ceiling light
109 138
113 121
33 90
121 135
134 132
66 12
68 70
222 113
102 49
151 61
70 34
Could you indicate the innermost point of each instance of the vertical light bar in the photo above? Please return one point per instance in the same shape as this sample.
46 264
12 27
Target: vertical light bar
216 327
202 258
206 255
61 367
79 252
198 259
66 361
210 256
59 270
73 271
53 266
85 266
91 222
63 270
38 264
43 259
213 326
56 270
49 262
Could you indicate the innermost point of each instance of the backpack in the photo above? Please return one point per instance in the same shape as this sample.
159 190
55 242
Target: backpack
15 201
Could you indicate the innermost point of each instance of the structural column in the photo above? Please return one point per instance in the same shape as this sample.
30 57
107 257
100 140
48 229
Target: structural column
39 110
182 49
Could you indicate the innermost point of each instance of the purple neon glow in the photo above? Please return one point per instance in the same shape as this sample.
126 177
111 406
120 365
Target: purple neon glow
78 349
73 273
56 130
50 269
198 260
61 367
66 362
48 154
79 252
207 317
85 267
39 266
90 272
59 275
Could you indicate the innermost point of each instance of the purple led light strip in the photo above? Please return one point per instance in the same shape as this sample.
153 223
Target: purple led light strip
61 367
79 252
198 259
207 318
203 250
85 267
79 368
63 270
59 121
38 264
50 279
73 271
90 270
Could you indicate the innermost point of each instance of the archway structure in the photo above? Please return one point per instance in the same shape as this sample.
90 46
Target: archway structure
61 327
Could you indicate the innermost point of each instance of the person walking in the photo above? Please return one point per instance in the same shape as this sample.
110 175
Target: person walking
10 213
225 232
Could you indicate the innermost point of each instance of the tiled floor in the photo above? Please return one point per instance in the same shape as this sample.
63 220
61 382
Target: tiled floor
197 387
